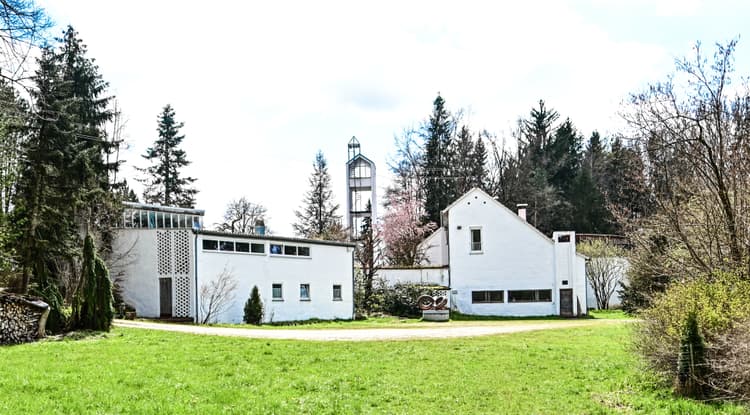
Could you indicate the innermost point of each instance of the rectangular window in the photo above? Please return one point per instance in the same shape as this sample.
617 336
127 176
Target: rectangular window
304 292
276 292
211 245
290 250
563 238
303 251
258 248
476 240
151 220
276 249
530 296
160 220
226 246
242 247
495 296
336 292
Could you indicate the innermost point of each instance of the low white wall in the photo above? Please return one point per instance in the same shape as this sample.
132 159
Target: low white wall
135 265
425 276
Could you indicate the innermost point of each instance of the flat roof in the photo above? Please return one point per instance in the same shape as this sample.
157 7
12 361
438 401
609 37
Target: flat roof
221 234
160 208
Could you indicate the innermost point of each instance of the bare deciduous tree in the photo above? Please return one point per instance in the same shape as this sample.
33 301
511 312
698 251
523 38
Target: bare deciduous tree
242 216
22 27
694 130
217 296
605 269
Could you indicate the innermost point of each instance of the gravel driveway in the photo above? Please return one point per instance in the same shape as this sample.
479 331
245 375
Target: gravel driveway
441 330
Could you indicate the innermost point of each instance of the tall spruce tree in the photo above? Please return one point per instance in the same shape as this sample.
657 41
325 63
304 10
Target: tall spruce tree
439 188
626 186
479 163
164 183
317 219
590 209
63 188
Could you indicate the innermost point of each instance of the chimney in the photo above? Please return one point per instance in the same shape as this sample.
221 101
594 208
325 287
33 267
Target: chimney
260 227
522 210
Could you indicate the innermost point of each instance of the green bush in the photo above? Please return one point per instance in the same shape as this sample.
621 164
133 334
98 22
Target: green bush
254 308
719 301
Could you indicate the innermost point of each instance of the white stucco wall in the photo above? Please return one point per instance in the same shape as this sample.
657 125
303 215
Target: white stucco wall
514 256
326 266
435 248
135 250
425 276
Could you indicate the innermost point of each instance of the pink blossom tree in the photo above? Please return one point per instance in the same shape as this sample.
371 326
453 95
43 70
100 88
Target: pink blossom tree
403 230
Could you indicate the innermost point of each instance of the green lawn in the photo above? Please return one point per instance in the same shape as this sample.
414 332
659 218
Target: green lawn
570 371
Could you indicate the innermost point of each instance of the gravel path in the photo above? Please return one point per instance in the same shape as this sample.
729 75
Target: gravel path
438 331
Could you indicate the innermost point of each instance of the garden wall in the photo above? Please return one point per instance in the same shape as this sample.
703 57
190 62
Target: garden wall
22 319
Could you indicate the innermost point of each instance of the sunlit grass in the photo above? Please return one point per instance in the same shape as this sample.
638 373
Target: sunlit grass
566 371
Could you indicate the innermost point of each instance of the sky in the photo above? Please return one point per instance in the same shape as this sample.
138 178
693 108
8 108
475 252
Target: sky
262 86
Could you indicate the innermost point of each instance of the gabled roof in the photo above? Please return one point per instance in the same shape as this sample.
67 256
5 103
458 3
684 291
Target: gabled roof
359 156
503 207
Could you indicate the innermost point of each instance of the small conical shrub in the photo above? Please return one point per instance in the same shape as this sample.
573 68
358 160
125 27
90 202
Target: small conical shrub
254 308
691 363
92 309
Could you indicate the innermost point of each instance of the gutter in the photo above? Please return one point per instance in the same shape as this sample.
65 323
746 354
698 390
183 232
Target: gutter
195 275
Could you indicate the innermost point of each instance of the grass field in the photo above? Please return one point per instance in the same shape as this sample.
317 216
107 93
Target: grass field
569 371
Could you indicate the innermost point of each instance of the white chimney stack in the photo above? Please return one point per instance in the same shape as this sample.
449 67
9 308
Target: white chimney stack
522 210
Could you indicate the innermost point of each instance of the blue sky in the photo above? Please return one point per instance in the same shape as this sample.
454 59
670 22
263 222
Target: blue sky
261 87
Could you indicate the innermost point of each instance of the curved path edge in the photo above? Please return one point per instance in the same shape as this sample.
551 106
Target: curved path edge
362 334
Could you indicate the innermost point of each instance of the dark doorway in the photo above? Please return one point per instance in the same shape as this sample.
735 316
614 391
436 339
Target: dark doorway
566 302
165 297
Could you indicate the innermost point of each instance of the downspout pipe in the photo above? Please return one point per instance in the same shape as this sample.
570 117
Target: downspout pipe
195 274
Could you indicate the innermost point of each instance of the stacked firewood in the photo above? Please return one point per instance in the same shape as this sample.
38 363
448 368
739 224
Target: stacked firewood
22 318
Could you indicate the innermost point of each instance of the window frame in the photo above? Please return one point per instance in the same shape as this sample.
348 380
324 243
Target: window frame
487 294
472 249
536 297
203 245
341 292
273 291
307 287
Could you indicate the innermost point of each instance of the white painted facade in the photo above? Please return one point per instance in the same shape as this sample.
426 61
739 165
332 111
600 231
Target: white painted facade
181 259
512 269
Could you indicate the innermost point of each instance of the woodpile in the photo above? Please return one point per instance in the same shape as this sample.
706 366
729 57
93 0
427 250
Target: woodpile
22 318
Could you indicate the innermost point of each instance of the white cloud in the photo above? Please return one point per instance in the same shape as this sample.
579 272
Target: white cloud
261 86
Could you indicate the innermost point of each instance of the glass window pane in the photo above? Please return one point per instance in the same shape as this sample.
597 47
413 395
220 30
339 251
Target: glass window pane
336 292
478 296
276 249
211 245
276 291
242 246
226 246
303 251
304 291
290 250
496 296
258 248
544 295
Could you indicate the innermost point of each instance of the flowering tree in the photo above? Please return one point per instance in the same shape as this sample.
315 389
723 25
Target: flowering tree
403 231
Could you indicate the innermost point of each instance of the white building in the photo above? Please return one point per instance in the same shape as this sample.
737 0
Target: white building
498 264
165 254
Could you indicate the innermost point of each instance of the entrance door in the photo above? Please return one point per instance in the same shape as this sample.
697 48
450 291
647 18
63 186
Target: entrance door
165 297
566 302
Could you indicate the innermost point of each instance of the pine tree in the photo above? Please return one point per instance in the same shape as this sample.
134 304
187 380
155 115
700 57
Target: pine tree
479 163
164 183
92 309
317 219
439 189
254 308
626 185
462 166
590 208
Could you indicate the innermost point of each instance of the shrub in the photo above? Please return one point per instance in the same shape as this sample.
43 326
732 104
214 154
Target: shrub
691 364
254 308
729 363
719 302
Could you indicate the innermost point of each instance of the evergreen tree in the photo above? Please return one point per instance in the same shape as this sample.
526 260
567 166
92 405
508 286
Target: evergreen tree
438 185
590 208
691 363
317 219
626 186
163 181
463 163
254 308
479 164
92 309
